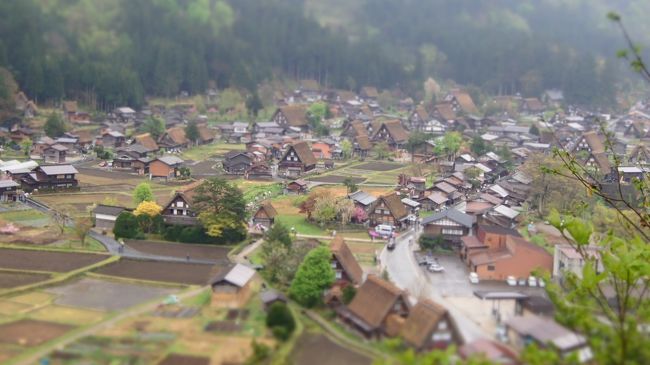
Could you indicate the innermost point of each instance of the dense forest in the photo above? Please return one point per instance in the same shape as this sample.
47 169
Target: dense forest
115 52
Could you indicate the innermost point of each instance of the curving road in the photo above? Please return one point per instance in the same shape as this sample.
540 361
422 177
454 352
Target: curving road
404 272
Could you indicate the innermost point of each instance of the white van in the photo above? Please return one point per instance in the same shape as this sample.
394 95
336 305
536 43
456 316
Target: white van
384 230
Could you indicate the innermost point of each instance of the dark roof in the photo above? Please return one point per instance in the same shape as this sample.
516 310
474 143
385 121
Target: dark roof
304 153
8 183
453 214
489 228
59 169
344 256
108 210
374 300
272 295
421 322
269 209
296 115
394 204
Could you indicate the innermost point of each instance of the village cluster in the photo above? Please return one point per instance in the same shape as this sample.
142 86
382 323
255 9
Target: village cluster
437 199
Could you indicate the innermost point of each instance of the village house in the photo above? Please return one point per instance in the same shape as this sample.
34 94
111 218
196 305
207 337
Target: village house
271 296
69 110
8 191
378 309
237 162
112 139
179 210
292 117
388 209
165 167
444 112
362 200
461 101
346 268
532 106
173 139
133 157
206 134
547 334
297 160
55 153
147 141
259 171
233 286
52 177
429 326
518 258
418 118
235 132
566 259
450 224
369 93
487 237
297 186
393 133
265 215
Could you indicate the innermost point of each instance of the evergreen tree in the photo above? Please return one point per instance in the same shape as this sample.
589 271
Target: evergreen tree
54 125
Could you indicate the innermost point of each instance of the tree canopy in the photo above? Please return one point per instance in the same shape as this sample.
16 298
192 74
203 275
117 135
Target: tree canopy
314 275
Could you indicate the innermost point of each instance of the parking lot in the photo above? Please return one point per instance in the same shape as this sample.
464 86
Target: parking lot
454 280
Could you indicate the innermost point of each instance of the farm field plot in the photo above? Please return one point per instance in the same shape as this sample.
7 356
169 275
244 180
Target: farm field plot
27 332
316 349
173 272
377 166
66 315
336 179
105 295
181 250
10 279
46 260
93 176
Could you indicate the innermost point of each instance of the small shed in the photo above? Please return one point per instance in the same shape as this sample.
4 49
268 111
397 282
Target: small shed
265 215
105 216
271 296
232 286
297 186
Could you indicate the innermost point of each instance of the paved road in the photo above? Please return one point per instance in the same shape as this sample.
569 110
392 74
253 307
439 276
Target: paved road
406 274
113 247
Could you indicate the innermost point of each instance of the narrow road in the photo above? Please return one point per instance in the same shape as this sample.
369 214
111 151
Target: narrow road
404 272
113 247
45 350
242 257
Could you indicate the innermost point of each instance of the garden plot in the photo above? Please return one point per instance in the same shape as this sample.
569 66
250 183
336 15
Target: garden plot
27 332
12 279
172 272
36 260
105 295
181 250
316 349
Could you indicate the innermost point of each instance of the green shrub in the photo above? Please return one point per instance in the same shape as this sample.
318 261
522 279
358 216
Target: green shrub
280 320
348 294
126 226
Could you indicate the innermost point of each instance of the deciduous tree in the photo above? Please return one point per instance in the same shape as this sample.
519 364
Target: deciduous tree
314 275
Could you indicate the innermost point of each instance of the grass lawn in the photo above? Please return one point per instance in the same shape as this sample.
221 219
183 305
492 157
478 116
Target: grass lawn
200 153
26 217
300 223
72 242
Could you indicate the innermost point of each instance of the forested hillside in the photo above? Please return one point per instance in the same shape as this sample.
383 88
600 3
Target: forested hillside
114 52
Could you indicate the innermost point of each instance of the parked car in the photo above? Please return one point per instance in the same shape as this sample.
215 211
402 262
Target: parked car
473 278
521 282
384 230
435 267
532 281
423 261
541 283
511 281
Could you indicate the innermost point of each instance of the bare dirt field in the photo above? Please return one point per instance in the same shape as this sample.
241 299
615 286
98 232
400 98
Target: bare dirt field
205 252
105 295
336 179
9 279
27 332
176 359
173 272
377 166
316 349
46 260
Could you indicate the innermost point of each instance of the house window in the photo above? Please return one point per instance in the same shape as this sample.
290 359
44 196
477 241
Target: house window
452 232
179 204
378 211
333 264
339 275
490 267
442 325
